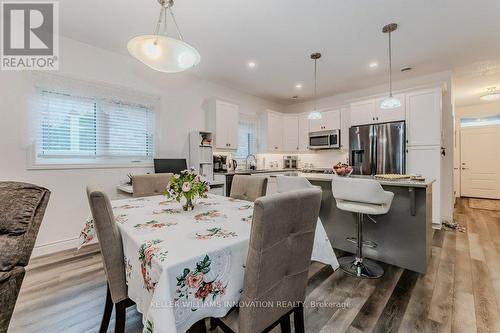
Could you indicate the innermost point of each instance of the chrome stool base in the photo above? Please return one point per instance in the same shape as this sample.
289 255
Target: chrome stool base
363 268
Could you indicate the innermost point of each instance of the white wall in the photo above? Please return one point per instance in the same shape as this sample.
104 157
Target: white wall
183 97
479 110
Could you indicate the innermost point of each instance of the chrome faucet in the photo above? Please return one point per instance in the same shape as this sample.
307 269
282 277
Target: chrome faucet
251 162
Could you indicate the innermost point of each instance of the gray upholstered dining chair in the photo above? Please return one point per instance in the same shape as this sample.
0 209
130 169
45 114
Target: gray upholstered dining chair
148 185
248 188
110 243
277 265
22 208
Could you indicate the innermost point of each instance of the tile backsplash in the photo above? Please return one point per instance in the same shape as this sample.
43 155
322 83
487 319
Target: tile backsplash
319 159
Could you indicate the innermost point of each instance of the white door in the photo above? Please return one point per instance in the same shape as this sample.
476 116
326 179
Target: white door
291 133
480 162
363 113
423 117
274 132
396 114
426 161
331 120
303 132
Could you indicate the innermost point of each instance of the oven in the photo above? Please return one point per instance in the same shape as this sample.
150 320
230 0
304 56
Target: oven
324 140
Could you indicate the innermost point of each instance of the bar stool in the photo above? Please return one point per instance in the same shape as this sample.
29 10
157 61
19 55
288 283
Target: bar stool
363 197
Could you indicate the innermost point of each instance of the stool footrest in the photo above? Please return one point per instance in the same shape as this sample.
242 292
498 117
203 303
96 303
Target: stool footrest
370 244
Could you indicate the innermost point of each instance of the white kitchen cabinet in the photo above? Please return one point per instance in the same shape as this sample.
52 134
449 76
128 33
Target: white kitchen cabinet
330 120
369 112
389 115
363 113
272 132
303 133
223 120
291 133
426 161
315 125
345 123
423 117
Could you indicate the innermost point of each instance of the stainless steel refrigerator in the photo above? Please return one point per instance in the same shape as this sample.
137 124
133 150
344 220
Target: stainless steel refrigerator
378 149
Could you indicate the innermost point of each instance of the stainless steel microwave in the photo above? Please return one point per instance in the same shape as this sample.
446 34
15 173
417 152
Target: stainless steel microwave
324 140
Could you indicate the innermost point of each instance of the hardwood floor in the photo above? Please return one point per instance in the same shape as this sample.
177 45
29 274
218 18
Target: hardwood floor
65 292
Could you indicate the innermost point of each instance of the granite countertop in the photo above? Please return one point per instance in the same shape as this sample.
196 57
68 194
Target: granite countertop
329 177
404 183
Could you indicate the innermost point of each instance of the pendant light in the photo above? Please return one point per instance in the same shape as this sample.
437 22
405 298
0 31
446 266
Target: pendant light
390 102
492 95
162 52
315 115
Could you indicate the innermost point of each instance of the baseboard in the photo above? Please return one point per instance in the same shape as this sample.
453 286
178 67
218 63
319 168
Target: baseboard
60 245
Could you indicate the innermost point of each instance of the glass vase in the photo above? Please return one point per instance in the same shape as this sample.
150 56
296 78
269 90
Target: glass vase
188 205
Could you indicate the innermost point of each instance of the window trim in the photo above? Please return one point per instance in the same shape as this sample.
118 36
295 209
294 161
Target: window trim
34 163
101 91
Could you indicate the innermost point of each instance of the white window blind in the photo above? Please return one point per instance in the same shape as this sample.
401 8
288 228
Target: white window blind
247 136
94 129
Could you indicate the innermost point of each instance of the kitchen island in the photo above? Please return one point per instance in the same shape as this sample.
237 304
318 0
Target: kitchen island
403 235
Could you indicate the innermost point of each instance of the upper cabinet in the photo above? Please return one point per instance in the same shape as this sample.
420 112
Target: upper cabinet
369 112
330 120
303 132
388 115
284 132
345 123
272 131
290 133
363 113
423 117
223 120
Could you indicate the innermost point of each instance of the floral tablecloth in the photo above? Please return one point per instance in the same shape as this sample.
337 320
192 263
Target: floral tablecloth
185 266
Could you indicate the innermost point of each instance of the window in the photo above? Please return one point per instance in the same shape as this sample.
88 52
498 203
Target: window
81 128
484 121
247 142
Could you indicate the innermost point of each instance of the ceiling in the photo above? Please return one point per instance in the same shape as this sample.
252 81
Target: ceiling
279 35
472 81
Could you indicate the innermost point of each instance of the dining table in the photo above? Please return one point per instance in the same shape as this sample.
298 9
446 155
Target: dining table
184 266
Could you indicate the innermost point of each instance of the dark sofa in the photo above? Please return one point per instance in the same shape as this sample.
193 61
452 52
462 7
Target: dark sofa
22 207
